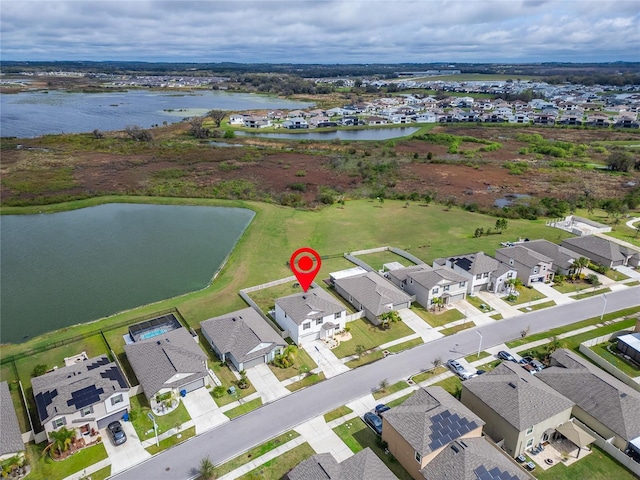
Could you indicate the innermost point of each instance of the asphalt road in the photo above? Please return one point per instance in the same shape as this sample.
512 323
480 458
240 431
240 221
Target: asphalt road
239 435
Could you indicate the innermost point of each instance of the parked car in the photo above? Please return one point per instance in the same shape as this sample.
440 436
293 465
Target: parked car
533 362
374 421
381 408
504 355
458 369
117 433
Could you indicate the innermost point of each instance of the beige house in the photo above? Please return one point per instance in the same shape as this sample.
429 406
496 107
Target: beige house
520 410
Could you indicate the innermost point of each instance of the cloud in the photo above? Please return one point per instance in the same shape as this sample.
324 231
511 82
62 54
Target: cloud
321 31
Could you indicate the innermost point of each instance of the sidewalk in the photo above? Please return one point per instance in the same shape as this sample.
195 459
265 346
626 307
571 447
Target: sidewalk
415 323
551 293
89 470
324 440
325 358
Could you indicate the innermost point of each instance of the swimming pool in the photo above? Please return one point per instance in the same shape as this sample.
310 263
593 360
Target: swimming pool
153 333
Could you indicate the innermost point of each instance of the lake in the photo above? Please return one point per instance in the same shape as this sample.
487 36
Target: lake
73 267
29 114
369 134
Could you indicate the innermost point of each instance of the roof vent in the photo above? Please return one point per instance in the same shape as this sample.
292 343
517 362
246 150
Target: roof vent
455 449
167 340
463 444
512 385
622 395
159 342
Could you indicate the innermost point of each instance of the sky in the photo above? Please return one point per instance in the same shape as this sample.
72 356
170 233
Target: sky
322 31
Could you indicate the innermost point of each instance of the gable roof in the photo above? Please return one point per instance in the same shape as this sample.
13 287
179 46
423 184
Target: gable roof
475 263
244 334
439 276
521 399
373 292
561 256
11 438
430 419
309 305
156 360
473 459
598 393
597 246
68 389
401 274
523 255
364 465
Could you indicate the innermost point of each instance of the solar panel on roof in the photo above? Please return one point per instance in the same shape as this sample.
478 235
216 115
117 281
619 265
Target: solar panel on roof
113 373
85 396
98 363
44 399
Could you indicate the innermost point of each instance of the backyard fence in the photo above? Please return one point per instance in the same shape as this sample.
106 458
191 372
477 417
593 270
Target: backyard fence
358 262
407 255
370 250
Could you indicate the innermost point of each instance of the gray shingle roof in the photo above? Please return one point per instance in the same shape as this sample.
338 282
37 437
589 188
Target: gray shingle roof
520 398
561 256
430 419
157 359
244 334
57 392
373 292
312 304
364 465
440 276
598 393
476 263
523 255
11 438
402 274
598 246
467 459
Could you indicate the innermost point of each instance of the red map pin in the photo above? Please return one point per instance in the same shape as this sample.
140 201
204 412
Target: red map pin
305 264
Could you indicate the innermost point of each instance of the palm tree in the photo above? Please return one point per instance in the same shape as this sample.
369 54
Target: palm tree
388 318
579 264
437 302
62 439
207 469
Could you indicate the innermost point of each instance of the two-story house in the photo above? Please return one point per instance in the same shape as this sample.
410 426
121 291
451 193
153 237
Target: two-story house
427 284
310 315
530 266
562 258
477 268
86 396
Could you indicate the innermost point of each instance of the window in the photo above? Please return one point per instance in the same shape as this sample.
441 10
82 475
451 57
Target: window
117 399
511 261
485 275
530 443
411 281
529 430
435 291
535 270
510 274
86 411
338 315
446 288
418 457
306 325
478 276
319 321
59 422
462 284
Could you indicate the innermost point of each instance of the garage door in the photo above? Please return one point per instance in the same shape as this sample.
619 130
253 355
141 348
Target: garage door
103 422
455 298
253 363
190 387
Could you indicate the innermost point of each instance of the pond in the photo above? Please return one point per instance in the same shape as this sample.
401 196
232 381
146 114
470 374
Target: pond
365 134
29 114
66 268
512 199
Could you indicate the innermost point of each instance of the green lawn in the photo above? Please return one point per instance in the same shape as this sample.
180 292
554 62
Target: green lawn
627 367
479 303
228 379
43 467
378 259
368 335
592 293
144 426
302 364
275 469
490 366
438 318
101 474
306 381
526 295
265 298
358 436
457 328
571 287
453 385
244 408
633 284
595 466
255 452
396 387
377 354
172 440
337 413
615 275
497 316
421 377
473 357
398 401
538 306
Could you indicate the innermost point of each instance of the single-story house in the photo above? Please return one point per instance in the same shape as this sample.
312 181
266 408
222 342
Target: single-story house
602 251
427 284
11 443
310 315
168 362
85 396
425 424
373 294
243 338
364 465
602 402
477 268
562 258
530 266
517 408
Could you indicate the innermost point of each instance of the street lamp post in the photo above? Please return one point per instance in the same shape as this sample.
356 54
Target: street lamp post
480 344
604 297
155 427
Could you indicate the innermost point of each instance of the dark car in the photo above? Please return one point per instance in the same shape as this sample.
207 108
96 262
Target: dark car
374 421
502 355
533 362
380 409
117 433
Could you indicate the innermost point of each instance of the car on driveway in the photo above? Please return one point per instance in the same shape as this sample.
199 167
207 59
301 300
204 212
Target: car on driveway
504 355
374 421
381 408
533 362
458 369
117 433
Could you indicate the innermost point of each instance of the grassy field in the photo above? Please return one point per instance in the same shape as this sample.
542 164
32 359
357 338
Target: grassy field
45 468
615 275
244 408
369 336
378 259
474 356
595 466
627 367
265 298
421 377
438 318
276 468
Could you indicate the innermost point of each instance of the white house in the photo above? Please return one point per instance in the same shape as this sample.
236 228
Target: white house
427 284
477 268
295 122
310 315
236 119
426 117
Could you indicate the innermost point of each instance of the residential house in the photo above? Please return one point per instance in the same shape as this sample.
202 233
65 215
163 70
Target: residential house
424 425
562 258
310 315
295 123
11 443
398 118
372 294
243 338
319 120
602 251
296 114
500 277
375 120
85 396
602 402
425 117
337 111
168 362
627 121
519 117
518 408
428 284
530 266
254 121
598 120
236 119
544 119
364 465
477 268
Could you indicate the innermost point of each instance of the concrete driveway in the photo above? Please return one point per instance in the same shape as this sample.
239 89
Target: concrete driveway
266 383
126 455
203 410
325 358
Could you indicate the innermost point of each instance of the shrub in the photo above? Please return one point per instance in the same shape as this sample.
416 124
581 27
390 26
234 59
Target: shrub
218 391
300 173
38 370
229 134
300 187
